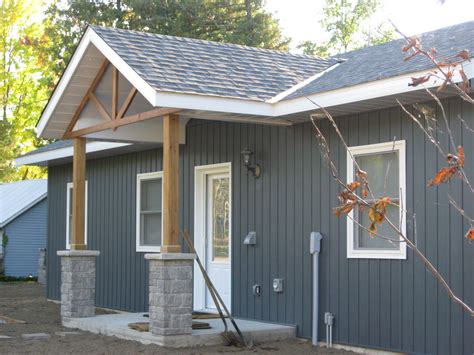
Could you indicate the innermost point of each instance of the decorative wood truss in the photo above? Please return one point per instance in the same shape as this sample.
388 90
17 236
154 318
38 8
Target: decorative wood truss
118 117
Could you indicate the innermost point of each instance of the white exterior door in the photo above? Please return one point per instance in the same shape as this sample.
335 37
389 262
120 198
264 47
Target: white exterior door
218 236
212 236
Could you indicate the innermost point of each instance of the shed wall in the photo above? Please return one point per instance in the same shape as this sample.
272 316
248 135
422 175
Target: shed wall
390 304
26 235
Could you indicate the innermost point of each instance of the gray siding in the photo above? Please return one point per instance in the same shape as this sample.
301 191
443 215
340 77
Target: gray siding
26 234
389 304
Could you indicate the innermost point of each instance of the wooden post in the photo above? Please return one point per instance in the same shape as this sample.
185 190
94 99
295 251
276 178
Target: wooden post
171 184
78 194
115 79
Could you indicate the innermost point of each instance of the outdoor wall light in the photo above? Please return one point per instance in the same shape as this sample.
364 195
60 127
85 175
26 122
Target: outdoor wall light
254 169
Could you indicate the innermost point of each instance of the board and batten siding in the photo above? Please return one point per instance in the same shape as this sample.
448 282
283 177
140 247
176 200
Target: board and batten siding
388 304
27 233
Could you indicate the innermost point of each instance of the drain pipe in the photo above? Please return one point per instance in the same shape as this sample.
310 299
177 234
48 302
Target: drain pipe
315 249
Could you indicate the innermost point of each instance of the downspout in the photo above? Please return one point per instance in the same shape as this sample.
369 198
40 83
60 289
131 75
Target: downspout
315 249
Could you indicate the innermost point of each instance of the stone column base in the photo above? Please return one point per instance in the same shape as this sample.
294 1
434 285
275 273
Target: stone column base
78 283
171 293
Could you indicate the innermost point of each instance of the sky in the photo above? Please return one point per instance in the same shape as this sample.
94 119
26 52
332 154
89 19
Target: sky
299 19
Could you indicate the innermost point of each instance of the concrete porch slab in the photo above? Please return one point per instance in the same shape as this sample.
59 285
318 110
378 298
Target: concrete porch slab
117 325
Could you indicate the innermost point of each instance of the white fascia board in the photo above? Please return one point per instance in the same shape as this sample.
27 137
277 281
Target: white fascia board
300 85
65 152
63 83
213 104
91 37
361 92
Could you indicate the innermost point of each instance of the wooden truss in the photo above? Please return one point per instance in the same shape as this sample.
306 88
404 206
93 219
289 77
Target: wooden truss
118 117
170 242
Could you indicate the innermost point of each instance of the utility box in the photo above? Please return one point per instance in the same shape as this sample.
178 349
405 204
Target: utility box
278 285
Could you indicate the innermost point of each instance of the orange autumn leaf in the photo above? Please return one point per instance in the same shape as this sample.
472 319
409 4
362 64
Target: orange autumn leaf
365 192
470 234
464 54
345 208
442 176
418 81
455 161
353 185
377 214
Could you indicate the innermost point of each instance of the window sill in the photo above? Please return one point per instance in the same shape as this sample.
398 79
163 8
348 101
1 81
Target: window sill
148 249
377 254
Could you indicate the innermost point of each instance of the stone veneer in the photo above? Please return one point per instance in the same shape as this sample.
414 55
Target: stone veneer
171 293
78 283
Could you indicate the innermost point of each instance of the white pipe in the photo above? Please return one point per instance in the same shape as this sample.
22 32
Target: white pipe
315 248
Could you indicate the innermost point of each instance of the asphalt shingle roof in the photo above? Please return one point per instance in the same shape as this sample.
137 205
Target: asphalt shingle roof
194 66
386 60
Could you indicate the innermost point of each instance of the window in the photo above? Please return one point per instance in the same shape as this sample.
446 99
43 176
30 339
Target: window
149 211
385 166
69 216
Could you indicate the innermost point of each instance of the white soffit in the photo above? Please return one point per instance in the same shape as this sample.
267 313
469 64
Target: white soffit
79 74
65 152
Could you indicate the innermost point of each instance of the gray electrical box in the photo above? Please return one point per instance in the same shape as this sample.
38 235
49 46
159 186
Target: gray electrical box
315 243
278 285
256 290
251 239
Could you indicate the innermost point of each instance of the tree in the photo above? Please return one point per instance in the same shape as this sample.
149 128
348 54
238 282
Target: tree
233 21
22 93
344 21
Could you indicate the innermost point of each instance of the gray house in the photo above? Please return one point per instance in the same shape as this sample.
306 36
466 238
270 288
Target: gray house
170 134
24 221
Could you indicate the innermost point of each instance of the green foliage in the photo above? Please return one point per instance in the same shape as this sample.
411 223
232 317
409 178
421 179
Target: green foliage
232 21
4 241
22 93
344 21
4 278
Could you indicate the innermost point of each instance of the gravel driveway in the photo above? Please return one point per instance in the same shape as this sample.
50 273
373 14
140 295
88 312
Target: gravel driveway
26 302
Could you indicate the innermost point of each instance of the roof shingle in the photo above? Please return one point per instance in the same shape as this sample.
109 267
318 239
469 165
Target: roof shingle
201 67
386 60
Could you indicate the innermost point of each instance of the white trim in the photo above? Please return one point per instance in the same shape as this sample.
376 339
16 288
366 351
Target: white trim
91 37
69 186
371 90
140 177
274 107
213 103
401 253
300 85
200 175
65 152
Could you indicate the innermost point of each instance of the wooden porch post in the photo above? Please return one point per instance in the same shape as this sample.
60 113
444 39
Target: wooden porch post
171 184
78 194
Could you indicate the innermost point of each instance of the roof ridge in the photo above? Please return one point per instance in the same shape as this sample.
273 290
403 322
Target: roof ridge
227 44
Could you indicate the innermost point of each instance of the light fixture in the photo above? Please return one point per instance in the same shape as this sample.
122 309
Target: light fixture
254 169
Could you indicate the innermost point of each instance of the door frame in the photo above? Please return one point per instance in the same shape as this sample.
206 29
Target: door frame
200 221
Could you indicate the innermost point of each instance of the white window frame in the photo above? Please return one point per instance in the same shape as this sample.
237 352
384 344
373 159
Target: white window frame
141 177
400 253
69 187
